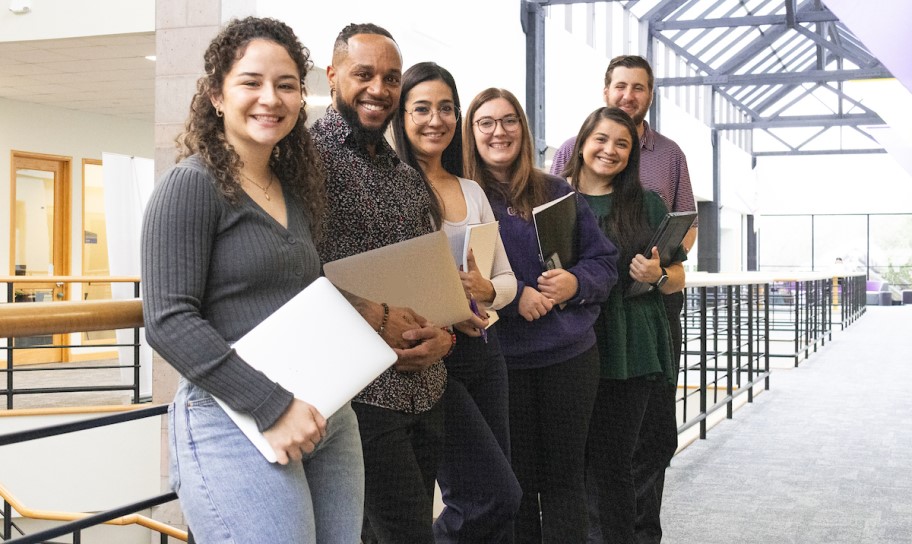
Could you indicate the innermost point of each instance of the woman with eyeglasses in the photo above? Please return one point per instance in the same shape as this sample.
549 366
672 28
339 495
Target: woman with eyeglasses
480 492
631 435
546 331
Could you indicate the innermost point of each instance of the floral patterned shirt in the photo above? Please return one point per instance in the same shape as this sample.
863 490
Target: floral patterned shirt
373 202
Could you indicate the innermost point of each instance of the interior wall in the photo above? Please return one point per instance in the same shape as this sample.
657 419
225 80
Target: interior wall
55 19
39 129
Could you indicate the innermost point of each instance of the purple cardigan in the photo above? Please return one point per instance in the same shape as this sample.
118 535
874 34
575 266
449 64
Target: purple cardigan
562 333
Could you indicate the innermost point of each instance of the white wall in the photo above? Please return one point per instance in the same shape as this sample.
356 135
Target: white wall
834 184
36 128
86 471
480 51
55 19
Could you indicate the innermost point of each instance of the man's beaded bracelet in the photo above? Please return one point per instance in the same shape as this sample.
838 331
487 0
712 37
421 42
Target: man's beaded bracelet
386 315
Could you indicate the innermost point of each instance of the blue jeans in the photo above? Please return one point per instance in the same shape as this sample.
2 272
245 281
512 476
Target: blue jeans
229 493
476 479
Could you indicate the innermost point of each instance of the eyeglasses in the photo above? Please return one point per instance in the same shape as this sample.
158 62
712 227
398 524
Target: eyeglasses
488 125
422 115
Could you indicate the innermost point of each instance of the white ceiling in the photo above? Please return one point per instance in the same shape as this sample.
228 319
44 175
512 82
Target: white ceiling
106 75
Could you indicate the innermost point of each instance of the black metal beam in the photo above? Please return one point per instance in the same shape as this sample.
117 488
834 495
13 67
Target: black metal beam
846 120
791 17
757 20
781 78
812 152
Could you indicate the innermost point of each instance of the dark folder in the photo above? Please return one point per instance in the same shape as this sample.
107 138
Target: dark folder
555 224
667 238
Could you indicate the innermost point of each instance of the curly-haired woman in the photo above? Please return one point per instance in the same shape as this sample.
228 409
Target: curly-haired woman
228 238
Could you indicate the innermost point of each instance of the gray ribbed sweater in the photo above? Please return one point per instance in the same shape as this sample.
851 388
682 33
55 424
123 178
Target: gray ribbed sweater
212 271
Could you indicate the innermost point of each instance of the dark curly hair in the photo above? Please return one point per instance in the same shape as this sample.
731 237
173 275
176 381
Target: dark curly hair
294 159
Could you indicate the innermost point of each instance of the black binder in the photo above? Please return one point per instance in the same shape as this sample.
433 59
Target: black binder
555 225
667 238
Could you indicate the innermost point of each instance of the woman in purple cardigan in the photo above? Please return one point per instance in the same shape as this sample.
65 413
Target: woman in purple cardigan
546 331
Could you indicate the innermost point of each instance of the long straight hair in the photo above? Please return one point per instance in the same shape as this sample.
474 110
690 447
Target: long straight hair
527 186
452 155
626 224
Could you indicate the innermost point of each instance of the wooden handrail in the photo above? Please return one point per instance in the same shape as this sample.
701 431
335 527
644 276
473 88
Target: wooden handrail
53 515
34 319
69 279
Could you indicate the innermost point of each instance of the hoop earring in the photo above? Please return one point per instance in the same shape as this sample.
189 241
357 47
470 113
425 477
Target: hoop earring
218 112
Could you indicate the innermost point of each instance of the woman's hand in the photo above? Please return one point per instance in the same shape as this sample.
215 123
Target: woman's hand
647 270
475 285
533 305
474 325
559 285
296 432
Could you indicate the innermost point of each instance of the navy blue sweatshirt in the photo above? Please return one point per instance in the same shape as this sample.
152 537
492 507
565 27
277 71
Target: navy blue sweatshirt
561 334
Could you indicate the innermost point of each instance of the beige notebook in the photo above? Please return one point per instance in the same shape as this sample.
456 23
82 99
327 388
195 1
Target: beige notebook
318 347
419 274
482 240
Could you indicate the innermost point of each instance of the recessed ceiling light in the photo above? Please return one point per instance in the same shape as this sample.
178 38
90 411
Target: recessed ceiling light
150 57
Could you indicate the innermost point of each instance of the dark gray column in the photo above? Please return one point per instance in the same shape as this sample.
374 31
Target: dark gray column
751 244
709 235
532 16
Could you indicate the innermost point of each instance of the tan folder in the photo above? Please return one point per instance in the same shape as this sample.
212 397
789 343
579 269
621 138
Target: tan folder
419 273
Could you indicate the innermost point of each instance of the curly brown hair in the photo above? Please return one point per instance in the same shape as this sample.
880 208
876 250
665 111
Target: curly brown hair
294 159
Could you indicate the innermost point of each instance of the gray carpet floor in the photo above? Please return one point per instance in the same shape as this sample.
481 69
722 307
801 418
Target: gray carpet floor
824 456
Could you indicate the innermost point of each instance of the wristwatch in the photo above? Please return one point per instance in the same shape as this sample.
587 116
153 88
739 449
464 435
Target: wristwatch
662 279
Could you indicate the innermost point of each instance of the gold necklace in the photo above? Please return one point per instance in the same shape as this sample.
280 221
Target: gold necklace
264 189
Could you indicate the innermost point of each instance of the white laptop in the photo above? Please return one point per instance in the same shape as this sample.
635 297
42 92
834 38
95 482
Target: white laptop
318 347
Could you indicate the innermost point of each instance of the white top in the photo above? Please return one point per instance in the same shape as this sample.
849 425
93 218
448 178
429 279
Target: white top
478 210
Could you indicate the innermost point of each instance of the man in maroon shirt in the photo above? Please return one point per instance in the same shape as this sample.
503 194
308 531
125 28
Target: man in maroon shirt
629 85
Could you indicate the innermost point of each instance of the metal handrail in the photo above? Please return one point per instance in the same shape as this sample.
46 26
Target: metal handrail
124 515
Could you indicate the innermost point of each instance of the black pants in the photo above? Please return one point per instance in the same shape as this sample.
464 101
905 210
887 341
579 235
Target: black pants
649 502
549 418
632 437
476 478
401 455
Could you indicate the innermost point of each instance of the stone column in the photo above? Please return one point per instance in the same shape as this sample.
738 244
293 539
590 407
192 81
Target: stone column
183 29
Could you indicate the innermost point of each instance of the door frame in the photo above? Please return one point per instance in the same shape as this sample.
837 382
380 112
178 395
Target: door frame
62 252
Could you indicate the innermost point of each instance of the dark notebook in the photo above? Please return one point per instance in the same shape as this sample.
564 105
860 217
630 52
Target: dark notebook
667 238
555 225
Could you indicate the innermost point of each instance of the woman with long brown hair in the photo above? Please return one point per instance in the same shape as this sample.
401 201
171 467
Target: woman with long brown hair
546 331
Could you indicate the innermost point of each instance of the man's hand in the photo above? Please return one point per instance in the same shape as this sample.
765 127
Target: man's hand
400 321
296 432
430 343
533 305
559 285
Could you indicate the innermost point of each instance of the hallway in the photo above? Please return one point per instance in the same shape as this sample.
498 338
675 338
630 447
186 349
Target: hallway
824 456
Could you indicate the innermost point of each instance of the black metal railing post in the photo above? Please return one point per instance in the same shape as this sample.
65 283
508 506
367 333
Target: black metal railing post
704 344
729 338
